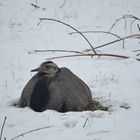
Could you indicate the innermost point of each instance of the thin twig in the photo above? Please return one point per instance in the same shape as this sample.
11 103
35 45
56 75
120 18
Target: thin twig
118 40
38 51
117 20
85 122
30 131
42 19
104 32
2 127
35 6
123 17
138 27
91 54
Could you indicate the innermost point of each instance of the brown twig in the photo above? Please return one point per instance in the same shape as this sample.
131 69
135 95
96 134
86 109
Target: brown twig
104 32
2 128
30 131
124 17
42 19
118 40
91 54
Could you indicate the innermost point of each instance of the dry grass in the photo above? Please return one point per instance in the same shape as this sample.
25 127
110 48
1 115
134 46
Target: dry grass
95 105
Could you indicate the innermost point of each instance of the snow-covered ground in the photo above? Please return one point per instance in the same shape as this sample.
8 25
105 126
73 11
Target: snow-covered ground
114 82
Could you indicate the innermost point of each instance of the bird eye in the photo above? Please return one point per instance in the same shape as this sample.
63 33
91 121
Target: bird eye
46 67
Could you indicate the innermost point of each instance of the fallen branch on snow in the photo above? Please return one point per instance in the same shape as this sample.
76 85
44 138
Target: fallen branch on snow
92 55
136 36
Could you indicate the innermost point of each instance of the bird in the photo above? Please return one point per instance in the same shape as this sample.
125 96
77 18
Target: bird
56 89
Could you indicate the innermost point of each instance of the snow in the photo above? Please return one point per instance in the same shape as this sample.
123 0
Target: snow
114 82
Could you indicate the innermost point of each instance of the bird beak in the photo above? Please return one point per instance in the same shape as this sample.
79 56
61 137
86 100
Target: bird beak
34 70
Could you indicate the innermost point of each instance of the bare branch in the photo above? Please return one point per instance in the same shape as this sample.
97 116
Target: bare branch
38 51
124 17
92 55
89 54
30 131
118 40
42 19
117 20
104 32
2 128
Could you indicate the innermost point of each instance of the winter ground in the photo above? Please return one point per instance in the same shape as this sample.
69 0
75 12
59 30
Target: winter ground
113 82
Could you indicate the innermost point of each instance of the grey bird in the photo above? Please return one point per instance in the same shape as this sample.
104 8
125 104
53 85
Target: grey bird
55 88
